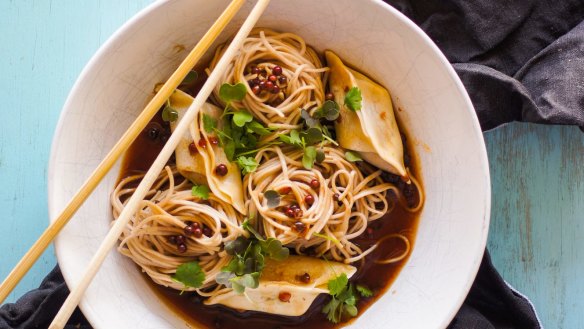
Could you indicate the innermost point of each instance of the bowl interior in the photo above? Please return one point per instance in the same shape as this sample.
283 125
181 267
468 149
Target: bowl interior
430 103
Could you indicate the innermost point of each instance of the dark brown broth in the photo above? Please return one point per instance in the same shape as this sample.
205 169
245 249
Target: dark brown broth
377 277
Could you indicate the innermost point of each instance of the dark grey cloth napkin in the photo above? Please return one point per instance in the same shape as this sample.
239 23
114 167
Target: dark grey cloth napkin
520 60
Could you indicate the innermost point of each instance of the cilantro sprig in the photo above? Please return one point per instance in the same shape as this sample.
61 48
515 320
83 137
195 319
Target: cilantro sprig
353 99
190 274
248 259
344 298
201 191
241 132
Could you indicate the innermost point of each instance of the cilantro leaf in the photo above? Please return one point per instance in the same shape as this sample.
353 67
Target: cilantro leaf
338 284
169 114
229 92
190 274
353 99
364 291
273 198
333 310
343 299
353 156
201 191
209 123
240 118
247 164
309 157
292 139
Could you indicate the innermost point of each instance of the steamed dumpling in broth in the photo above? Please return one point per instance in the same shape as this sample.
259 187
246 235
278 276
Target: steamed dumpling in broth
372 130
281 281
199 163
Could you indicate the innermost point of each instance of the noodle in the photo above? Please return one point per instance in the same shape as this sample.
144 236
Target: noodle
321 210
163 215
300 65
343 204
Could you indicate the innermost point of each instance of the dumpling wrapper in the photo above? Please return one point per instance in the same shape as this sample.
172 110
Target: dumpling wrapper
282 276
198 168
372 131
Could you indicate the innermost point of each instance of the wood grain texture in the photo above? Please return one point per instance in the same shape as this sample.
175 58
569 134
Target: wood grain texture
538 215
538 187
45 46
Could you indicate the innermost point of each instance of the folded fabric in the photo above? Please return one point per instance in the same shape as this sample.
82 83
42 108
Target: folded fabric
520 60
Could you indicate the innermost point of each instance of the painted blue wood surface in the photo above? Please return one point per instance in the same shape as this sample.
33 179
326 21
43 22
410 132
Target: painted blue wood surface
537 218
538 180
44 46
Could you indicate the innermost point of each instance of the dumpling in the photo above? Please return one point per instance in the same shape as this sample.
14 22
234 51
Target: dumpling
371 131
199 166
282 277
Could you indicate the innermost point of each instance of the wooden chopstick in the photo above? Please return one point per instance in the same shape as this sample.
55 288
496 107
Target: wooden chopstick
133 204
121 146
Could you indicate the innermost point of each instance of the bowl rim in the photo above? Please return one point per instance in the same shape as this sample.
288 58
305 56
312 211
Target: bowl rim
93 317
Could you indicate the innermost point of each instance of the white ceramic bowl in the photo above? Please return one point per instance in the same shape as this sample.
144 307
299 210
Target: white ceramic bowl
377 39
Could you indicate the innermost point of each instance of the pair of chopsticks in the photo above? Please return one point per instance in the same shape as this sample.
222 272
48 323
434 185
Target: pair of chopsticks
129 136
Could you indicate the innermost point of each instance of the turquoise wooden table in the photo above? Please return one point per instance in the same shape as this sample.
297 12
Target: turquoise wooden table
537 173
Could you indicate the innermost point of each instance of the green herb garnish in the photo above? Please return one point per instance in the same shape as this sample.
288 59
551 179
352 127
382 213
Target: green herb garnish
190 78
247 164
273 198
239 137
309 120
353 99
337 285
292 139
201 191
353 156
229 93
309 157
329 111
258 128
320 156
169 114
344 298
209 123
248 259
190 274
364 291
240 118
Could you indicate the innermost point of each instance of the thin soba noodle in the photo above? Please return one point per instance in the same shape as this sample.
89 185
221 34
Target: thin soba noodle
322 209
168 209
301 66
343 202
